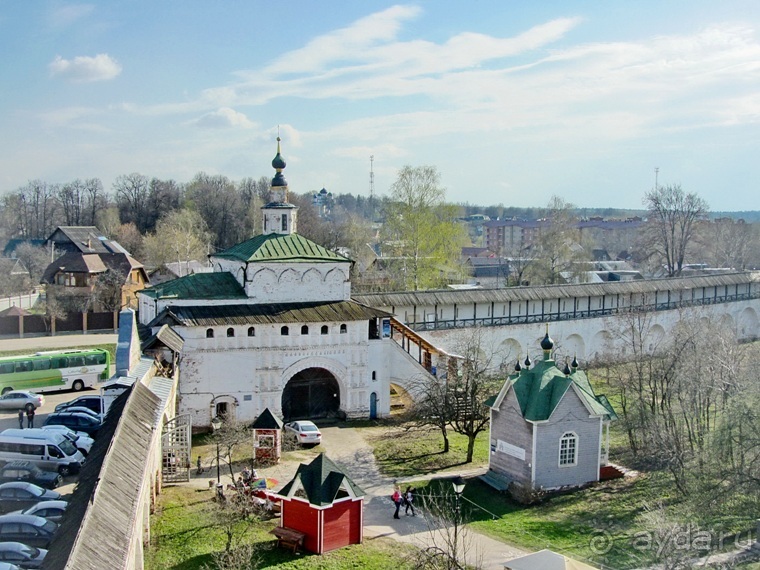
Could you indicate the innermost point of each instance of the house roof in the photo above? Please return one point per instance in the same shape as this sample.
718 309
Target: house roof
14 311
277 247
267 420
9 266
199 286
245 314
91 263
320 480
87 239
540 389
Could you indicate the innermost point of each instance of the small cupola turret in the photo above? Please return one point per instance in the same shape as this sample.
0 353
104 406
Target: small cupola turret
547 345
279 215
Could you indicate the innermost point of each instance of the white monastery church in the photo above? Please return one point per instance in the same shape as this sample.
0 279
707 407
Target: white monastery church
273 326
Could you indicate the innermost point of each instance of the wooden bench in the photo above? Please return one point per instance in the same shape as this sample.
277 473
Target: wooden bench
288 537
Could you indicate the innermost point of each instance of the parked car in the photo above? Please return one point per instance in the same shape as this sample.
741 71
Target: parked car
27 529
82 410
27 471
76 421
21 495
94 403
50 510
21 400
9 566
81 440
21 555
305 431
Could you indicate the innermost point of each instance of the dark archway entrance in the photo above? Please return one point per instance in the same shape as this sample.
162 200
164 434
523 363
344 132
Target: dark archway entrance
312 393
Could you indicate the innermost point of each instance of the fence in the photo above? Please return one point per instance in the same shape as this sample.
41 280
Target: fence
25 301
35 325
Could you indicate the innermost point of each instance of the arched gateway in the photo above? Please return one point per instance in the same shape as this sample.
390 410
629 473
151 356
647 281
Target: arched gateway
311 393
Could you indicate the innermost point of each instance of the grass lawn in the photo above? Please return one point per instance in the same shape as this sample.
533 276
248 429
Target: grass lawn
184 535
403 451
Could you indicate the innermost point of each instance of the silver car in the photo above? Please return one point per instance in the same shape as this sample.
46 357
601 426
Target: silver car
22 555
306 432
50 510
21 400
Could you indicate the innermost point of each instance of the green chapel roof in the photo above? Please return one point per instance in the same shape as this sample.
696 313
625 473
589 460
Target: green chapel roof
278 247
221 285
321 480
540 389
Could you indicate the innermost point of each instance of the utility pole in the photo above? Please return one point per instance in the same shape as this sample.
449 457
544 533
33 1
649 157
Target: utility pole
656 173
371 187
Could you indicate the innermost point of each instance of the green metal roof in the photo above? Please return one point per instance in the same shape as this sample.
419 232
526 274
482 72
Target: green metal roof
540 389
277 247
321 480
222 285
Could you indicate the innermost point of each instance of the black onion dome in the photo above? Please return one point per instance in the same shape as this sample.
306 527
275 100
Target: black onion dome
278 163
547 343
517 366
574 363
567 370
527 361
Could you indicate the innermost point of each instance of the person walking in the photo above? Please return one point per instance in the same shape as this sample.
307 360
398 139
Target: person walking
397 500
30 417
21 419
409 500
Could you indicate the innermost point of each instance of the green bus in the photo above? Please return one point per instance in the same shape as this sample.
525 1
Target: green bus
55 370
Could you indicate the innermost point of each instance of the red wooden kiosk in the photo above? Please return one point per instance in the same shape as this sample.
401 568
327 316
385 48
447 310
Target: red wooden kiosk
267 438
322 503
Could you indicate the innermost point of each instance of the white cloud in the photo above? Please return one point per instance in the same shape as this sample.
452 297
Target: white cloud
224 118
85 69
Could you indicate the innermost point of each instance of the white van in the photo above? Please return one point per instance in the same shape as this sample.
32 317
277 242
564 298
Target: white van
48 451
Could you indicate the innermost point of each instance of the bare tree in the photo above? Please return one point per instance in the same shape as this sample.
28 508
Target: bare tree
431 405
450 544
229 437
673 215
180 236
132 193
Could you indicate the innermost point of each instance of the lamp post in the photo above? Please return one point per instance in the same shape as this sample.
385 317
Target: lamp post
458 483
216 423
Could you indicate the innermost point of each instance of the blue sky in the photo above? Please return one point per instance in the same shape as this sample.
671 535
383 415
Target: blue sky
513 101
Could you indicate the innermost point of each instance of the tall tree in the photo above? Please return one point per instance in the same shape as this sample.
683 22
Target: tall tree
673 215
557 249
32 211
421 229
218 202
180 236
132 193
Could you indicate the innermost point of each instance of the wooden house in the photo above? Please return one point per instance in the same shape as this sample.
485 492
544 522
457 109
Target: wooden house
324 504
267 438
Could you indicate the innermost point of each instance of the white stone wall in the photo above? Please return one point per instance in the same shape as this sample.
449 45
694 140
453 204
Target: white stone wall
593 337
250 373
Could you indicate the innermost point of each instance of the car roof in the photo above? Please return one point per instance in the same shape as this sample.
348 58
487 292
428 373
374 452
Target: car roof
71 415
28 519
19 485
52 503
13 545
25 392
18 463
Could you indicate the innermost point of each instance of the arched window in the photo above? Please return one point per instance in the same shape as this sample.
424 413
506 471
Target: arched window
568 449
284 331
343 329
374 375
209 333
324 329
304 329
251 331
230 332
